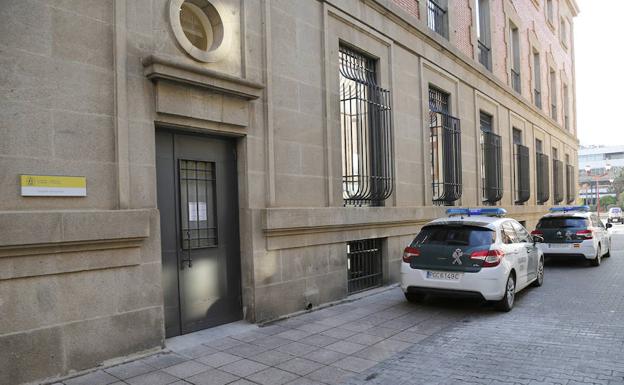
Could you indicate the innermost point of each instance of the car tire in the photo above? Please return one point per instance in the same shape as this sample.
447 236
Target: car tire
608 253
506 304
415 297
539 281
596 261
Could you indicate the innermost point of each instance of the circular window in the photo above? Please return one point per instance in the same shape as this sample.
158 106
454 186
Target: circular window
199 29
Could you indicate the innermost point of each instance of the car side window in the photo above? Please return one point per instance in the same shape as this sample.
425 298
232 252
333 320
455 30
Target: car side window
523 235
508 233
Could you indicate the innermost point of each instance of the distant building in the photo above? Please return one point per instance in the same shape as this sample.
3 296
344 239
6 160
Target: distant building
604 164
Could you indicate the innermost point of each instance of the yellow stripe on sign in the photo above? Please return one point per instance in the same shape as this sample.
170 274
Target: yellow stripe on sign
53 181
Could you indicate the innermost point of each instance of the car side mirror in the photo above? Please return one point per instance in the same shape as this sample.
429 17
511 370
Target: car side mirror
538 239
609 225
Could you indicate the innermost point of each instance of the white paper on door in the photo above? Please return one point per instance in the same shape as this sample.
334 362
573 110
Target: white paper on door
197 210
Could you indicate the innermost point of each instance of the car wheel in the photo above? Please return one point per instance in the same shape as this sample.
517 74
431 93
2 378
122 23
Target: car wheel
415 297
608 253
596 261
540 274
506 304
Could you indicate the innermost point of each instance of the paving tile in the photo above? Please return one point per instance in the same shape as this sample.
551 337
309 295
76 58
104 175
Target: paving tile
163 360
382 331
222 343
364 339
409 337
94 378
196 351
186 369
314 327
272 357
304 381
319 340
345 347
180 382
354 364
338 333
393 345
271 342
242 381
332 321
245 350
300 366
130 369
243 368
212 377
375 353
330 375
294 334
218 359
272 376
270 330
324 356
297 349
248 336
154 378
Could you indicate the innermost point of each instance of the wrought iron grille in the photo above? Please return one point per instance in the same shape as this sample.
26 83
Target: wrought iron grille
543 178
485 55
557 181
515 80
197 200
436 18
445 158
523 182
492 167
364 264
365 119
570 190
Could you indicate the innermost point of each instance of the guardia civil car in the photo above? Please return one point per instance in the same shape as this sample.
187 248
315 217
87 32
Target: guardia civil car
574 232
472 252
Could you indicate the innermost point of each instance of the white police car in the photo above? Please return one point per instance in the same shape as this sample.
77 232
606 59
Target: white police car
573 231
472 252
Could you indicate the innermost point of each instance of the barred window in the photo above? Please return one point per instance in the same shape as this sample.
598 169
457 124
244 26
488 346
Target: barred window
543 174
491 165
570 187
365 121
514 38
521 169
445 143
557 181
437 17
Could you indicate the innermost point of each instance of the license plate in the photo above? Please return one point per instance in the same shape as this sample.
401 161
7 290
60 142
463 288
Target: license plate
444 275
559 246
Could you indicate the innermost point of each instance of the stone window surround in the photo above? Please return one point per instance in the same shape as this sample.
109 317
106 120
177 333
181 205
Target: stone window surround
222 34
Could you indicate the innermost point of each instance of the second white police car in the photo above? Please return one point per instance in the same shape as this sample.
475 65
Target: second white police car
472 252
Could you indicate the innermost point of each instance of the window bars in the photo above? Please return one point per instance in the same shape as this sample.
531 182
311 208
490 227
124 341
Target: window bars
543 177
492 167
446 178
570 190
523 182
365 119
197 204
364 265
436 18
557 181
484 55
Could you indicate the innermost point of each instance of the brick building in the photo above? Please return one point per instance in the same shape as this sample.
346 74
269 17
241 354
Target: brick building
234 159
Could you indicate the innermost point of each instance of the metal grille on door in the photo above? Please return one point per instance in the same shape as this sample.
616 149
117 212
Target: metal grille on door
197 204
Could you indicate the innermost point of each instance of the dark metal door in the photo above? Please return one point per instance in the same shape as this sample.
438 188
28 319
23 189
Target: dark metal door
197 198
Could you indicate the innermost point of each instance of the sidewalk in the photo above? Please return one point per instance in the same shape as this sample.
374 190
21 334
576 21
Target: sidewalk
327 346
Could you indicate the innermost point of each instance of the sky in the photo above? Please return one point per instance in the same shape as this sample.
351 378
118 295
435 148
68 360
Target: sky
599 45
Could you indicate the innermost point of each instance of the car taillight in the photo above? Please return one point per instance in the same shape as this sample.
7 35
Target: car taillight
490 258
537 232
585 234
409 253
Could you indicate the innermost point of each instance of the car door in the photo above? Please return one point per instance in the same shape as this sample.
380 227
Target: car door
600 233
530 248
515 251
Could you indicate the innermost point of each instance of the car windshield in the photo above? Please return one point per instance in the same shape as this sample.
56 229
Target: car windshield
455 235
615 210
562 222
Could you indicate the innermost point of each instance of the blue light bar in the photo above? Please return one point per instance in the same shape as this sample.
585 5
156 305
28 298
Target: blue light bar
488 211
564 209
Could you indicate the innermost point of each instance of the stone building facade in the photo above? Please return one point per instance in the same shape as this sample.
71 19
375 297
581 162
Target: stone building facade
255 158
